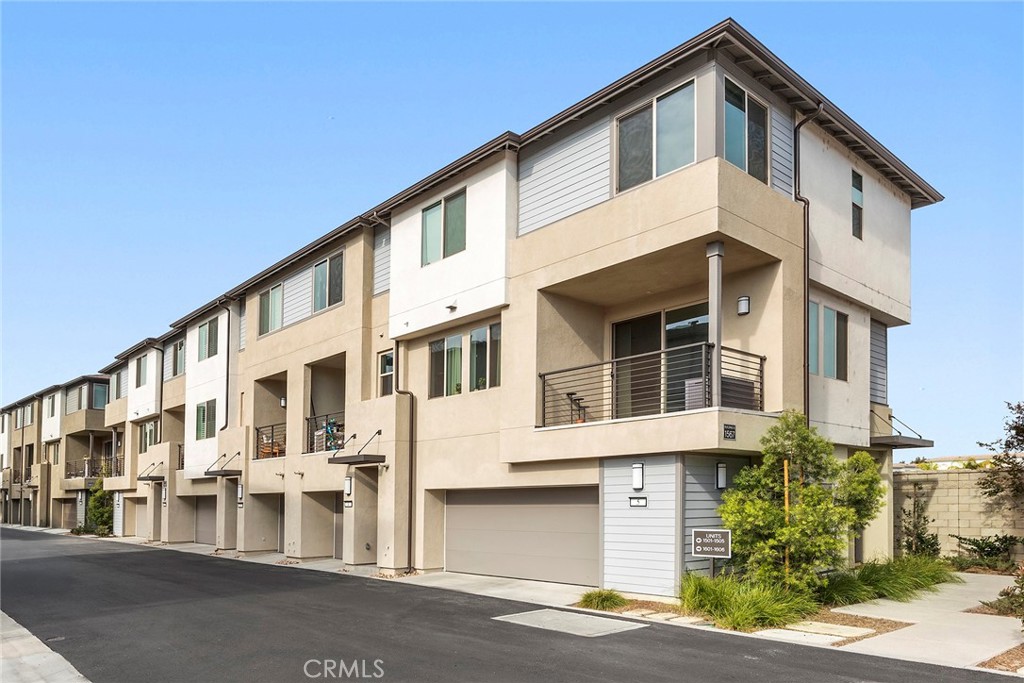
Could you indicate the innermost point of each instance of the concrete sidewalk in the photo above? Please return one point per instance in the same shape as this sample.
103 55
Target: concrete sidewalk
943 633
26 659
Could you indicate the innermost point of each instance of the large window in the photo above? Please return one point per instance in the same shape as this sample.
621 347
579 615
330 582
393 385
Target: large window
444 228
148 435
328 280
140 371
446 366
208 339
206 420
99 395
485 357
746 132
386 363
835 343
178 358
656 138
857 205
271 309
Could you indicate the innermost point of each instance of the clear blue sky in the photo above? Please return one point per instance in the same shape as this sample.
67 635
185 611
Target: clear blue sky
155 155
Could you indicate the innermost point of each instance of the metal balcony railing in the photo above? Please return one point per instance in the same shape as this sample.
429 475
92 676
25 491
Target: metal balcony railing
84 467
669 381
271 441
114 465
325 432
15 476
181 456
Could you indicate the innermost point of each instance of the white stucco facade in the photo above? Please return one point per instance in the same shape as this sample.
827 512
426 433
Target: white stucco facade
205 380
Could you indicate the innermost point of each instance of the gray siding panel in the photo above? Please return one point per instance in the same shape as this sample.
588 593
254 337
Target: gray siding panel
168 354
242 327
640 544
565 178
782 152
298 297
381 259
702 499
71 399
879 363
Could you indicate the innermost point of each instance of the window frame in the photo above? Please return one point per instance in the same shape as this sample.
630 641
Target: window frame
381 375
210 346
178 358
150 429
51 405
92 395
835 346
327 261
206 427
748 96
492 365
857 204
29 415
652 102
444 367
269 327
140 371
442 203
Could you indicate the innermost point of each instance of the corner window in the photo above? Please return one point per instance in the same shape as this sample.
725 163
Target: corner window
206 420
444 228
208 339
386 365
147 435
485 357
99 395
140 371
746 132
835 344
271 309
857 191
656 138
178 358
446 366
328 281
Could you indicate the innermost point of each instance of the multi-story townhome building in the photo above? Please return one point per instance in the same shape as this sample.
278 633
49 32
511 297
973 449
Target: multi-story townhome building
84 445
22 448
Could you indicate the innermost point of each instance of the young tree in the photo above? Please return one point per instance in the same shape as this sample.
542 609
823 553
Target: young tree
1004 482
828 501
100 512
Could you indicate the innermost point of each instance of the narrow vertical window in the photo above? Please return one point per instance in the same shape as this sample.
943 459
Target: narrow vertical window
857 207
478 359
454 224
836 343
140 371
271 309
336 280
206 419
841 345
812 337
387 373
320 286
674 134
495 355
436 369
453 365
208 339
746 132
432 234
200 421
179 357
51 405
635 152
830 342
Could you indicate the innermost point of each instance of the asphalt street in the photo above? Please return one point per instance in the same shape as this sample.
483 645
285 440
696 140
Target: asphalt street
122 613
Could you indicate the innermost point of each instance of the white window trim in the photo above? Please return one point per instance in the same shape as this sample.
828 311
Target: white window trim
382 375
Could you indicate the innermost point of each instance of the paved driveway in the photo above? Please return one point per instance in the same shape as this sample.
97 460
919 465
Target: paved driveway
128 613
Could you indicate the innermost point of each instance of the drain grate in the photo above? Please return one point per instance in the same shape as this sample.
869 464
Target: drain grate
585 625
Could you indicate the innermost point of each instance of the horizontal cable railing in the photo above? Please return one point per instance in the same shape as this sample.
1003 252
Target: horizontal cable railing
270 442
325 432
84 467
114 465
655 383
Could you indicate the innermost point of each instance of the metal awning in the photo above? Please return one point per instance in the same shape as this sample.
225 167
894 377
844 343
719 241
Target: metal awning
900 441
223 473
358 459
150 477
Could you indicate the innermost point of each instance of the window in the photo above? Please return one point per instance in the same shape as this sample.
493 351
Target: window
55 452
140 371
119 383
99 395
812 337
208 339
858 205
446 366
29 409
178 358
328 282
835 344
746 132
271 309
19 416
147 435
206 419
485 357
51 405
387 373
656 138
3 423
444 228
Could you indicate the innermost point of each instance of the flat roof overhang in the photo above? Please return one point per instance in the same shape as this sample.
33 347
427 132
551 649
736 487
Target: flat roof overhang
365 459
223 473
900 441
150 477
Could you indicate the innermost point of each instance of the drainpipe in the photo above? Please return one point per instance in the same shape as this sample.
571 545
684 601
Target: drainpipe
807 255
412 456
227 361
159 399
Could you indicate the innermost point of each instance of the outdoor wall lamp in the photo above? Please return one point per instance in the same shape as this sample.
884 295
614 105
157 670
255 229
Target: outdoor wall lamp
348 486
743 305
721 476
638 476
240 493
284 402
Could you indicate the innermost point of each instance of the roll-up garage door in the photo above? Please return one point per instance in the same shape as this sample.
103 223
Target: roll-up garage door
206 519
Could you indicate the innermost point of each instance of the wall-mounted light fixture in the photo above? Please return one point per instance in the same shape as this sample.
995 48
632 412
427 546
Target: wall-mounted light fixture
284 402
163 495
638 476
721 476
239 493
743 305
348 486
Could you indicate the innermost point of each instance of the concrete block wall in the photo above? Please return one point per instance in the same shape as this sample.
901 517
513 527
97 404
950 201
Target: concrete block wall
953 499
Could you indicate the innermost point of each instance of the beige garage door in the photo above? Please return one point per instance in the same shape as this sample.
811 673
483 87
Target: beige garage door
141 518
543 534
206 519
68 514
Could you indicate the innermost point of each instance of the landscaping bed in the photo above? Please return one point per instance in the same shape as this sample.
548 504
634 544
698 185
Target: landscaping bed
1011 660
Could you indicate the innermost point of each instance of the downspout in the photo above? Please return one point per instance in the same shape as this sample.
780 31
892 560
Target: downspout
227 363
412 456
159 400
807 256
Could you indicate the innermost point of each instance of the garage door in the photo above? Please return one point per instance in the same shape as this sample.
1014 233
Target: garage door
68 514
206 519
543 534
141 518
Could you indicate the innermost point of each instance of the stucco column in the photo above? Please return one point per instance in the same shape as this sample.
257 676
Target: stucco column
227 512
715 253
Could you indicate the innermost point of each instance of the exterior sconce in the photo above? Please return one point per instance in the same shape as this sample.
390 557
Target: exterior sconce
721 476
284 402
743 305
638 476
348 486
163 495
239 493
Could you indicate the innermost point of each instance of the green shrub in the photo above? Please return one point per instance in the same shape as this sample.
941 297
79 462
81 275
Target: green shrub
843 588
989 546
903 577
1011 599
744 604
603 598
962 563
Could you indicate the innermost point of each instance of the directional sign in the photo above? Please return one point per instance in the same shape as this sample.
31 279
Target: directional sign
712 543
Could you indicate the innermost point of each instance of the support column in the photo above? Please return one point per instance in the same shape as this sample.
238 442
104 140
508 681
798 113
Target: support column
227 512
715 253
178 521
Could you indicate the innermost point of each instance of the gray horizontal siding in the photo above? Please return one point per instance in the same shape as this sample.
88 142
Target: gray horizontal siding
879 363
71 399
782 152
565 178
298 297
639 545
242 326
381 259
702 498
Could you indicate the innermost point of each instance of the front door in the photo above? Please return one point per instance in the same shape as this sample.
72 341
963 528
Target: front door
637 366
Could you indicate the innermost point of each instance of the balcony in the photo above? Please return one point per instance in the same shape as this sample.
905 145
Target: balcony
325 433
670 381
113 465
271 441
84 467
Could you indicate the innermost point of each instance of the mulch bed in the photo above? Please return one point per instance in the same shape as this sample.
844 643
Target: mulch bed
1011 660
879 626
